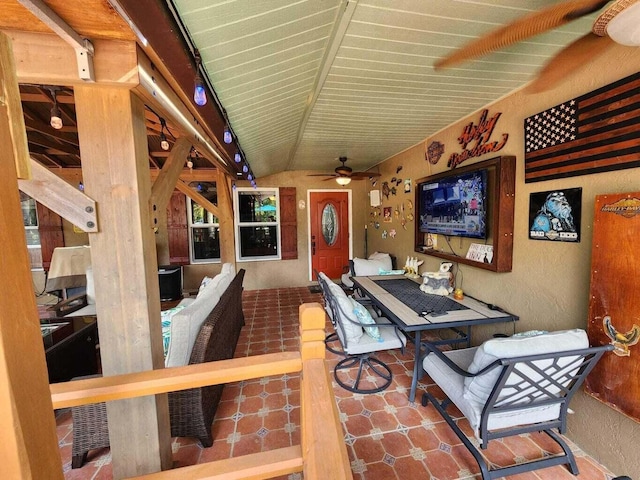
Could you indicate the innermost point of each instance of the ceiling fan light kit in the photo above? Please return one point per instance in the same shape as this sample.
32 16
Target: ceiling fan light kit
621 22
343 181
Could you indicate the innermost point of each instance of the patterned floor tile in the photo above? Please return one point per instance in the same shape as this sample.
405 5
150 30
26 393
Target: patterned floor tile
387 437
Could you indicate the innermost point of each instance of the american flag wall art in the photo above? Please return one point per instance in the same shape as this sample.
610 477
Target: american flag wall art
596 132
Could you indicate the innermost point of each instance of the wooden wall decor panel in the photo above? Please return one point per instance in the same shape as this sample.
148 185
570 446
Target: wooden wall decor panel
614 302
596 132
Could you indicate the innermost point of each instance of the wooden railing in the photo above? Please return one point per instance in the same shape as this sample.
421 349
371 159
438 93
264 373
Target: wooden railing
322 453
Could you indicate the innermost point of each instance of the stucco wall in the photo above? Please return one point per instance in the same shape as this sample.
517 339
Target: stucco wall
549 284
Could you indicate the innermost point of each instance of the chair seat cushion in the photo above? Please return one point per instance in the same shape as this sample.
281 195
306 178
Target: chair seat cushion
388 340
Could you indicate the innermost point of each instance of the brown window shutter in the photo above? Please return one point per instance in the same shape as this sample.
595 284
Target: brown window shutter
288 223
177 229
51 235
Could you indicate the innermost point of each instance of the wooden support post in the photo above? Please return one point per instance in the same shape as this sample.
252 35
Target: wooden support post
29 444
225 205
10 99
322 436
113 142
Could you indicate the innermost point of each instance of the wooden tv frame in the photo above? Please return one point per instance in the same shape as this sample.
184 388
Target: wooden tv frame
501 202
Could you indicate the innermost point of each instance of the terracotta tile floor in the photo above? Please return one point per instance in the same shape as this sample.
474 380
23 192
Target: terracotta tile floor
387 437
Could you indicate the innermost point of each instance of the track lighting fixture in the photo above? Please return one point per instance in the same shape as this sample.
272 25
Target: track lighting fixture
164 144
237 157
227 135
56 115
199 92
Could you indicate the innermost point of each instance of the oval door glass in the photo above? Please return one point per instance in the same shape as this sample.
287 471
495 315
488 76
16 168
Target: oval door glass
330 224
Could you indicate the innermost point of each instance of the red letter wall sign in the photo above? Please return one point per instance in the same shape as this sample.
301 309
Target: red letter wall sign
475 139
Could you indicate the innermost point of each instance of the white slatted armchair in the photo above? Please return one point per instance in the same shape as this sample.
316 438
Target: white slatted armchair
362 333
510 386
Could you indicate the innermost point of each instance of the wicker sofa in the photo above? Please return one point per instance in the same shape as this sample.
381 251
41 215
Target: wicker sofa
191 411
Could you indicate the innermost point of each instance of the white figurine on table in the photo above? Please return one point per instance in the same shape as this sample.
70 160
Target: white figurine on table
411 267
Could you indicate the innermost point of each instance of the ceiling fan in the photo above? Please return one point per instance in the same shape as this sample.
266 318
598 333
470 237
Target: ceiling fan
344 174
618 23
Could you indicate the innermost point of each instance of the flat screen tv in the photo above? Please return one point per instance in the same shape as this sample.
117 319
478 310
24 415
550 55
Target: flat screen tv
454 203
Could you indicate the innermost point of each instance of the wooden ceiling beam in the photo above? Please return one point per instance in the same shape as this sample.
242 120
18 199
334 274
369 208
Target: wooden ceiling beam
48 60
44 98
56 148
46 129
73 175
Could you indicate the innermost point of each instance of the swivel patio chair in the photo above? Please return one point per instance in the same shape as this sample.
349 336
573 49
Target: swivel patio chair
510 386
361 333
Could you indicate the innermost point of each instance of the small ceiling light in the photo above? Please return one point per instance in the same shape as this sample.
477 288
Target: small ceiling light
227 135
245 169
56 115
249 177
164 144
199 92
234 186
237 157
343 181
81 186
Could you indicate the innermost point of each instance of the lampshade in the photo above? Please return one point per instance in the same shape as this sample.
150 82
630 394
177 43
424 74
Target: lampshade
343 180
624 28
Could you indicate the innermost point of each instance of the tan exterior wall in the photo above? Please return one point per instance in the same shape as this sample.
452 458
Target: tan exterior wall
289 273
549 285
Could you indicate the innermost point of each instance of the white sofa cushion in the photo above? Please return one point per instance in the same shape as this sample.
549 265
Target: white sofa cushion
185 324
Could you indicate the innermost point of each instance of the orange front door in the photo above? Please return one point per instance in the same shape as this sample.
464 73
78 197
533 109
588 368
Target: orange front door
329 232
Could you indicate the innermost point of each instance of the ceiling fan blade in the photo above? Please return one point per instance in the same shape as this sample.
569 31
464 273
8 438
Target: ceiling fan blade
525 27
332 175
570 59
359 175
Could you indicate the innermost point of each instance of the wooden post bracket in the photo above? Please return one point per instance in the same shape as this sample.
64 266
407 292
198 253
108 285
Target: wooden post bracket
56 194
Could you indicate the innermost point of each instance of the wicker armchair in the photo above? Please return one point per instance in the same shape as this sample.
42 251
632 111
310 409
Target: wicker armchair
191 411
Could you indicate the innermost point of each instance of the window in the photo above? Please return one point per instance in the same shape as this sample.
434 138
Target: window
257 224
30 218
204 234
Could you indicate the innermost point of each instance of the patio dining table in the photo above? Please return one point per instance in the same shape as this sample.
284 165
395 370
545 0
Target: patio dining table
413 311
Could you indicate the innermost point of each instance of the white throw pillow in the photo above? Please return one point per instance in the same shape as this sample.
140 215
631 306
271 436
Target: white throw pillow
477 389
385 258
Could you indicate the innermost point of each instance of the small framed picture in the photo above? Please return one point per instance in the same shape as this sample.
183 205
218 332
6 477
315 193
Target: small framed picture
555 215
387 214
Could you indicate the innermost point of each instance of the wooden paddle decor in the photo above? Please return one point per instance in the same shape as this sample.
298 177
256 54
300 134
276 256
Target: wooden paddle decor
614 303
